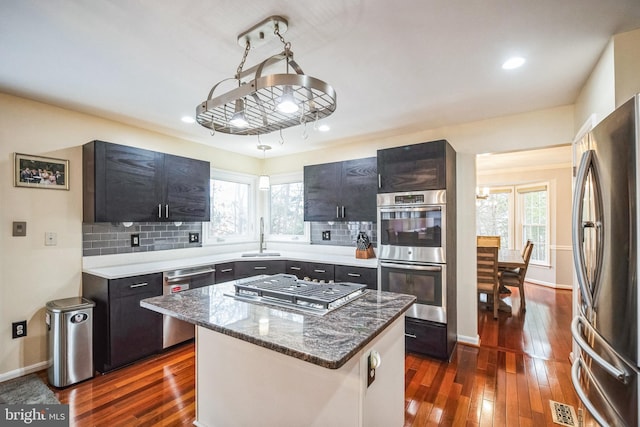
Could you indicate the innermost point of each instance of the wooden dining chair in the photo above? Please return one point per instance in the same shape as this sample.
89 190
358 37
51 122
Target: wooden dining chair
488 241
488 283
516 277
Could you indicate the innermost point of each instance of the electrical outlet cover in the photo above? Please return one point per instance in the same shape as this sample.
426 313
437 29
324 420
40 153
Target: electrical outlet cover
19 329
19 228
194 237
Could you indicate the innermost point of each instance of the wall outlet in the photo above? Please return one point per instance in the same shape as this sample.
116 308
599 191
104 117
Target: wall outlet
194 237
326 235
135 240
19 329
19 228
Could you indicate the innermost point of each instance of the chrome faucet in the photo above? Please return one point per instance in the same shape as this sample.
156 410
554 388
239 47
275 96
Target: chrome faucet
262 245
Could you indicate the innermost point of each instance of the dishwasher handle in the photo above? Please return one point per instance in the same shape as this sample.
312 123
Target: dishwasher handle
178 277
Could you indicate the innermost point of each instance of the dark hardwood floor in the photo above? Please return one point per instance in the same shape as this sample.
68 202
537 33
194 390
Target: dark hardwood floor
521 364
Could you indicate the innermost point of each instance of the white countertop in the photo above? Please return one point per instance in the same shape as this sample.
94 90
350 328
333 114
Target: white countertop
129 267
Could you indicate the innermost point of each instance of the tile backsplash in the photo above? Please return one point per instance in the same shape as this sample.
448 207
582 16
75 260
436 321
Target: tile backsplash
115 238
342 233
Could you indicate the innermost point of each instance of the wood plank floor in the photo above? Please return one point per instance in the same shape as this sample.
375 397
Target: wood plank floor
522 363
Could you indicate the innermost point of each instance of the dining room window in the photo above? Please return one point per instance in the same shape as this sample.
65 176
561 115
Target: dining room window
494 215
516 213
534 220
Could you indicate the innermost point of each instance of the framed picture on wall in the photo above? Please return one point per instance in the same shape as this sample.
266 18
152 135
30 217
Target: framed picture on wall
40 172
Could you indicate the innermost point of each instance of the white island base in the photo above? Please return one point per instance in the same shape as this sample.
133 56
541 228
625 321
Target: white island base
243 384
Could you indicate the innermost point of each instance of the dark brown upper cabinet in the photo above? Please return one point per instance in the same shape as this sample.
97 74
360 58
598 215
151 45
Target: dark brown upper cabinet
417 167
341 191
123 183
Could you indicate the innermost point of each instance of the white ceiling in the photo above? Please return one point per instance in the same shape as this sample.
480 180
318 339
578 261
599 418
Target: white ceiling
396 66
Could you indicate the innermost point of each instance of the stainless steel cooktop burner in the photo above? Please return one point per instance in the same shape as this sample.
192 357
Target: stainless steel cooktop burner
288 291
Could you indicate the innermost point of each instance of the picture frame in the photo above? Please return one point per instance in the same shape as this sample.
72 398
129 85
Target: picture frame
40 172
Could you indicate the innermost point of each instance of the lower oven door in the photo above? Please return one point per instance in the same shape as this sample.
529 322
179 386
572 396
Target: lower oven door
425 281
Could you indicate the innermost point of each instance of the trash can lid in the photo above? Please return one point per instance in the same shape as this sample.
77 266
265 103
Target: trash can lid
69 304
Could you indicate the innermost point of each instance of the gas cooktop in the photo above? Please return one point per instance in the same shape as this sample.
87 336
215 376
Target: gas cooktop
288 291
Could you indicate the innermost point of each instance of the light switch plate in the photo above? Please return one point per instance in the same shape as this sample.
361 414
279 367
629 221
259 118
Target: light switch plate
50 238
19 228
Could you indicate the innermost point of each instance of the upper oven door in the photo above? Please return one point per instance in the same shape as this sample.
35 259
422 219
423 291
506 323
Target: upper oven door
412 233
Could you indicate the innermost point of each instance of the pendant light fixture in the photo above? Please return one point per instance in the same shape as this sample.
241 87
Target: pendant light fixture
263 104
263 181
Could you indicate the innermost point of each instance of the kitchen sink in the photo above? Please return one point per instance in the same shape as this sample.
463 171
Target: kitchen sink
260 254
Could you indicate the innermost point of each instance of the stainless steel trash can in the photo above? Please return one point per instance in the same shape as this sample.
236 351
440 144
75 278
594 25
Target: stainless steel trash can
69 340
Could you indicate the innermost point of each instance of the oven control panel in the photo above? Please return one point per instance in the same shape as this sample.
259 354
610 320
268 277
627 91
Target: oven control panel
409 199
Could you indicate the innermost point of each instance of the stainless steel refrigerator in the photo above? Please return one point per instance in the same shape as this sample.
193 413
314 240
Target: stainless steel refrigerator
605 247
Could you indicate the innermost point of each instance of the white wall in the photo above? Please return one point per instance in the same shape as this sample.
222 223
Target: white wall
30 273
598 94
627 65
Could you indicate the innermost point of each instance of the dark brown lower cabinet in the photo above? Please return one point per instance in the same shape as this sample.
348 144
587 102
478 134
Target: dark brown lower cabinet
363 275
255 268
225 272
123 332
429 338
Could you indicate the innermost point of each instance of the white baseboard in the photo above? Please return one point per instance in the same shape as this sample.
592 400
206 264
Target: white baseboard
23 371
549 284
474 341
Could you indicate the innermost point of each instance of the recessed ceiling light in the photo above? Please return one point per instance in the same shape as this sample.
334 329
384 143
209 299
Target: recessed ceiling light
188 119
324 128
515 62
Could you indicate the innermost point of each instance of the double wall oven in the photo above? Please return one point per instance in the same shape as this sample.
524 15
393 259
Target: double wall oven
412 250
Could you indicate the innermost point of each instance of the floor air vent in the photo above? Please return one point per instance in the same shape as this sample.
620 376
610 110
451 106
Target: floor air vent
563 414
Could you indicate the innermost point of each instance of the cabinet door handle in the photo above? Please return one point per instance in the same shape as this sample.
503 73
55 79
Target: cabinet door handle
337 211
342 212
295 268
353 274
166 211
138 285
226 270
379 181
320 271
160 210
410 335
259 268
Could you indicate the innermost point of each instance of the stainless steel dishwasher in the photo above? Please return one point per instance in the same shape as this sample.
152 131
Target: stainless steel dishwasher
175 331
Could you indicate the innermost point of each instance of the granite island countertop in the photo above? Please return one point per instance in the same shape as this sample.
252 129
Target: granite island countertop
328 341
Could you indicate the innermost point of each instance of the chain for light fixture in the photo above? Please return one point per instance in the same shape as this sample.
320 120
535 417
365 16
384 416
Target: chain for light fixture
264 104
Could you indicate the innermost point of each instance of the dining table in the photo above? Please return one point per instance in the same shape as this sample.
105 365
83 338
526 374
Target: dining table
510 259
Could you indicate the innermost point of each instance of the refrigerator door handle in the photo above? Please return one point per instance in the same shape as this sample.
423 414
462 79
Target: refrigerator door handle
578 363
589 287
615 371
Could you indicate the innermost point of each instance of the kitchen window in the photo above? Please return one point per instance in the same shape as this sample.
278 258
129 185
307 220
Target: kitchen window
285 207
232 196
517 213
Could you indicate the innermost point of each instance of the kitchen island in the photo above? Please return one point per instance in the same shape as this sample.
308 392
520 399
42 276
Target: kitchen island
260 364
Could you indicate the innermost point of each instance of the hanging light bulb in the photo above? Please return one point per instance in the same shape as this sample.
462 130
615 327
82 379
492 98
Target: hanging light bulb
239 119
287 103
264 183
